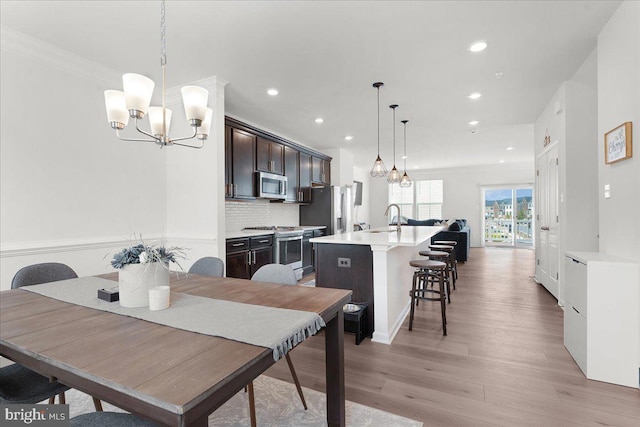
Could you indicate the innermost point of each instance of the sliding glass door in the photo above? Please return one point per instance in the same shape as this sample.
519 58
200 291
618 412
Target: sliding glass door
508 216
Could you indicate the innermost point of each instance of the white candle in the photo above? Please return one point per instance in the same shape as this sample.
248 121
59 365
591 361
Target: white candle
159 298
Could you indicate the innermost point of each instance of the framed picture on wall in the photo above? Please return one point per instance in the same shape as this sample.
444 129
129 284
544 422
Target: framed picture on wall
617 144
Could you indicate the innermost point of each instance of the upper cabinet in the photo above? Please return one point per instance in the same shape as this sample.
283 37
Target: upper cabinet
269 156
240 148
320 171
305 178
291 168
249 150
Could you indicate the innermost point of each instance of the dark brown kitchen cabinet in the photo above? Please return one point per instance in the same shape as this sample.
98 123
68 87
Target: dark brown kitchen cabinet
291 169
307 253
305 178
246 255
269 156
240 161
320 171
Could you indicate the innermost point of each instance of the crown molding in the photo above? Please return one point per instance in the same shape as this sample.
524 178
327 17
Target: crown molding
21 44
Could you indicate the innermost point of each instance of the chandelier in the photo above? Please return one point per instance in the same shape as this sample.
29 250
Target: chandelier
378 170
134 102
394 175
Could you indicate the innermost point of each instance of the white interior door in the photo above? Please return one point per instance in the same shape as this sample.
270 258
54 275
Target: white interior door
547 221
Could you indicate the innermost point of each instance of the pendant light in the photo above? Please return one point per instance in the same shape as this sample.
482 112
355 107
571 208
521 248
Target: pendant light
378 170
405 181
394 175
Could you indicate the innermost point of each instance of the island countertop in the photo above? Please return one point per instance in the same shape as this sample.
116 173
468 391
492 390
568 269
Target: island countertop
383 236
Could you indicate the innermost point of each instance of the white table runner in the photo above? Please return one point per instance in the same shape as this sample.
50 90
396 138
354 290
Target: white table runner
276 328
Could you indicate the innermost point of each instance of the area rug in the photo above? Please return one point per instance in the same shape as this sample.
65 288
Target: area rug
277 404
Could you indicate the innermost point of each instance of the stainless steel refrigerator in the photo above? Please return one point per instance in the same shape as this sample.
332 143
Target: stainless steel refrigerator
330 206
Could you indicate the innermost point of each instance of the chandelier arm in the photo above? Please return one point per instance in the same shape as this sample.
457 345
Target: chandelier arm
190 146
133 139
195 133
145 133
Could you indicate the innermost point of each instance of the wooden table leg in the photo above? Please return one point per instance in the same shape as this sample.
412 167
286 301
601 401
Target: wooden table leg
334 348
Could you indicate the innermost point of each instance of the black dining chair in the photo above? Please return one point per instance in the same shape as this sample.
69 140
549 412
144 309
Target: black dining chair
282 275
17 383
208 266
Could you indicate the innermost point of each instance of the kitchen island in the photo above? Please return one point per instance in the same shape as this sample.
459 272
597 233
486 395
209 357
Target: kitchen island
374 264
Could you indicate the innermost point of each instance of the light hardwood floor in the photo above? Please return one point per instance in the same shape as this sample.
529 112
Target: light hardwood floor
503 362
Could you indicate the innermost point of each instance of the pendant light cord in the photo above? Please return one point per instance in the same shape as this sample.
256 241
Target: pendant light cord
378 121
405 146
394 137
163 63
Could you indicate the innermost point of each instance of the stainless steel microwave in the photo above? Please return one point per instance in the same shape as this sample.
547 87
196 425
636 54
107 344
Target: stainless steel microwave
271 186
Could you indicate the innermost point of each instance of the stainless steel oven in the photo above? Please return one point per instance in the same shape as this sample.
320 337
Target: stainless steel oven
289 249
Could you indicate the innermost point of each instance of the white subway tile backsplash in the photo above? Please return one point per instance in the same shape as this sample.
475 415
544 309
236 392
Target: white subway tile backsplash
259 213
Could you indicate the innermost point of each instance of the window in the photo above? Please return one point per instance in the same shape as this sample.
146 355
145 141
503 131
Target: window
423 200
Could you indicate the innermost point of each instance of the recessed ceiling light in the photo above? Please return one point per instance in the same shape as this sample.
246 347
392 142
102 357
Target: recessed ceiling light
272 92
501 161
319 120
477 46
509 148
348 137
474 122
475 95
415 167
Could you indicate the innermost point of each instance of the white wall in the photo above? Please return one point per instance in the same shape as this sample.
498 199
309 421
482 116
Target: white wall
462 191
67 184
72 192
619 102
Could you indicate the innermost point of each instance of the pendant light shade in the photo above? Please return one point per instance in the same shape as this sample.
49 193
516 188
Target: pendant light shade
405 181
394 175
378 170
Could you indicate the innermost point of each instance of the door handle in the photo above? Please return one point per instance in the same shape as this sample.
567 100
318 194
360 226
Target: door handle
544 228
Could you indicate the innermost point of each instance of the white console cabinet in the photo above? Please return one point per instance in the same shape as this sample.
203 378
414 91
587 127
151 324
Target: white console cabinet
602 316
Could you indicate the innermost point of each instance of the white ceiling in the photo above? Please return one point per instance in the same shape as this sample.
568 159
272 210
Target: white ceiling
323 57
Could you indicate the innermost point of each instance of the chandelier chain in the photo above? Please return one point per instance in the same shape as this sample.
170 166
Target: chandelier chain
163 41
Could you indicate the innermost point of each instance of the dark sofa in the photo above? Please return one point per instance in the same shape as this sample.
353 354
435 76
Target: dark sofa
458 231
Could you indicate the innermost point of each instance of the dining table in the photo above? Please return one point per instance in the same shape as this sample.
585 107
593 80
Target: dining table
172 376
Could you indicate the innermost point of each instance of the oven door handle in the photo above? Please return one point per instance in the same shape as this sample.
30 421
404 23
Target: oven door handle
288 239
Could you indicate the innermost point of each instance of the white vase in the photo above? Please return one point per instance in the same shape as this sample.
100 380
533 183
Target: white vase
135 280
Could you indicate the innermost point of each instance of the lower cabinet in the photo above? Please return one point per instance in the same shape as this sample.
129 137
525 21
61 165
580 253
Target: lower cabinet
246 255
601 328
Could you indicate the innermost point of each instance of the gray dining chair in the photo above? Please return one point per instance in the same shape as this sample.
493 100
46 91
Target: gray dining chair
208 266
109 419
282 275
22 385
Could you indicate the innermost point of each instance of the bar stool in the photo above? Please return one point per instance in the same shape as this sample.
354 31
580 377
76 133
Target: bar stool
452 258
442 257
424 270
454 244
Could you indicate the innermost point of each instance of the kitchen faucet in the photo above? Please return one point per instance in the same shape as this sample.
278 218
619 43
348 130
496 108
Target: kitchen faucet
398 225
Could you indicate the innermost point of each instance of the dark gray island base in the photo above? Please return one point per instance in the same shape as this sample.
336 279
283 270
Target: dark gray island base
357 277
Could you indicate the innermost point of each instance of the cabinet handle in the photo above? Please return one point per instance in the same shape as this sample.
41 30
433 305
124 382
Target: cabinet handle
249 258
254 257
574 309
544 228
575 260
235 245
263 241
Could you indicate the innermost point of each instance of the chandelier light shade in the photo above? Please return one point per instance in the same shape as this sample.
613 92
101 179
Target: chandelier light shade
394 175
135 100
116 106
378 170
405 181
